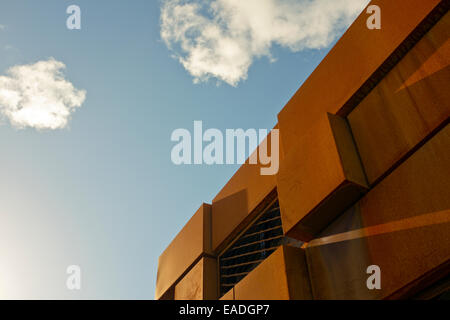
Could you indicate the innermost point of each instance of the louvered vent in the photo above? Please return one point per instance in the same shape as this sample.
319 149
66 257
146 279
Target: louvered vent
251 248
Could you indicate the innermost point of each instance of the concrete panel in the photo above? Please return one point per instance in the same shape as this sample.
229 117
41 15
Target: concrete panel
189 244
286 268
320 178
200 283
402 225
407 105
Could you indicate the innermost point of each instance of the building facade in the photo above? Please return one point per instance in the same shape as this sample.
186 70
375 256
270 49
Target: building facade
363 184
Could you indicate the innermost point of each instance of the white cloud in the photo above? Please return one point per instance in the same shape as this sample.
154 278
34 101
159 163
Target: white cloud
38 96
221 38
2 27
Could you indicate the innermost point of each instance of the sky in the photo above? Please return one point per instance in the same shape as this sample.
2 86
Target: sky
86 116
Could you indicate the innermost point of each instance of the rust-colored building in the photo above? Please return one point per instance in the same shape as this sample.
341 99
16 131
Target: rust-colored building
364 180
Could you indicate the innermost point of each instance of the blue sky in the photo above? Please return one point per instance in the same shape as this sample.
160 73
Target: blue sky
102 192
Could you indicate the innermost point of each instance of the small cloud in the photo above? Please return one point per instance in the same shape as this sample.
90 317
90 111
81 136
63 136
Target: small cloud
38 96
221 38
2 27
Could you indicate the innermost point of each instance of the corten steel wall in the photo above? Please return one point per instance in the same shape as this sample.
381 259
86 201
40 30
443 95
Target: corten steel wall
364 175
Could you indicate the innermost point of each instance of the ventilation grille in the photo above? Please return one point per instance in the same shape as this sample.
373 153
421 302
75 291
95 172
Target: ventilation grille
252 247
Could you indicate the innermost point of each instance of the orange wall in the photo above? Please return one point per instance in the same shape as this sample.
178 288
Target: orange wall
189 245
352 61
238 198
282 276
321 177
402 225
407 105
314 183
200 283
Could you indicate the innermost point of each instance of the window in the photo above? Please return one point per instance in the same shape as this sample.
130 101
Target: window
257 242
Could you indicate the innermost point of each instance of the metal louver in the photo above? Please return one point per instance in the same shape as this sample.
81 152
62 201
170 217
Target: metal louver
262 238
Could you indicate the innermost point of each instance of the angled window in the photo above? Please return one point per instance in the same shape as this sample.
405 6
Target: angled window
255 244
